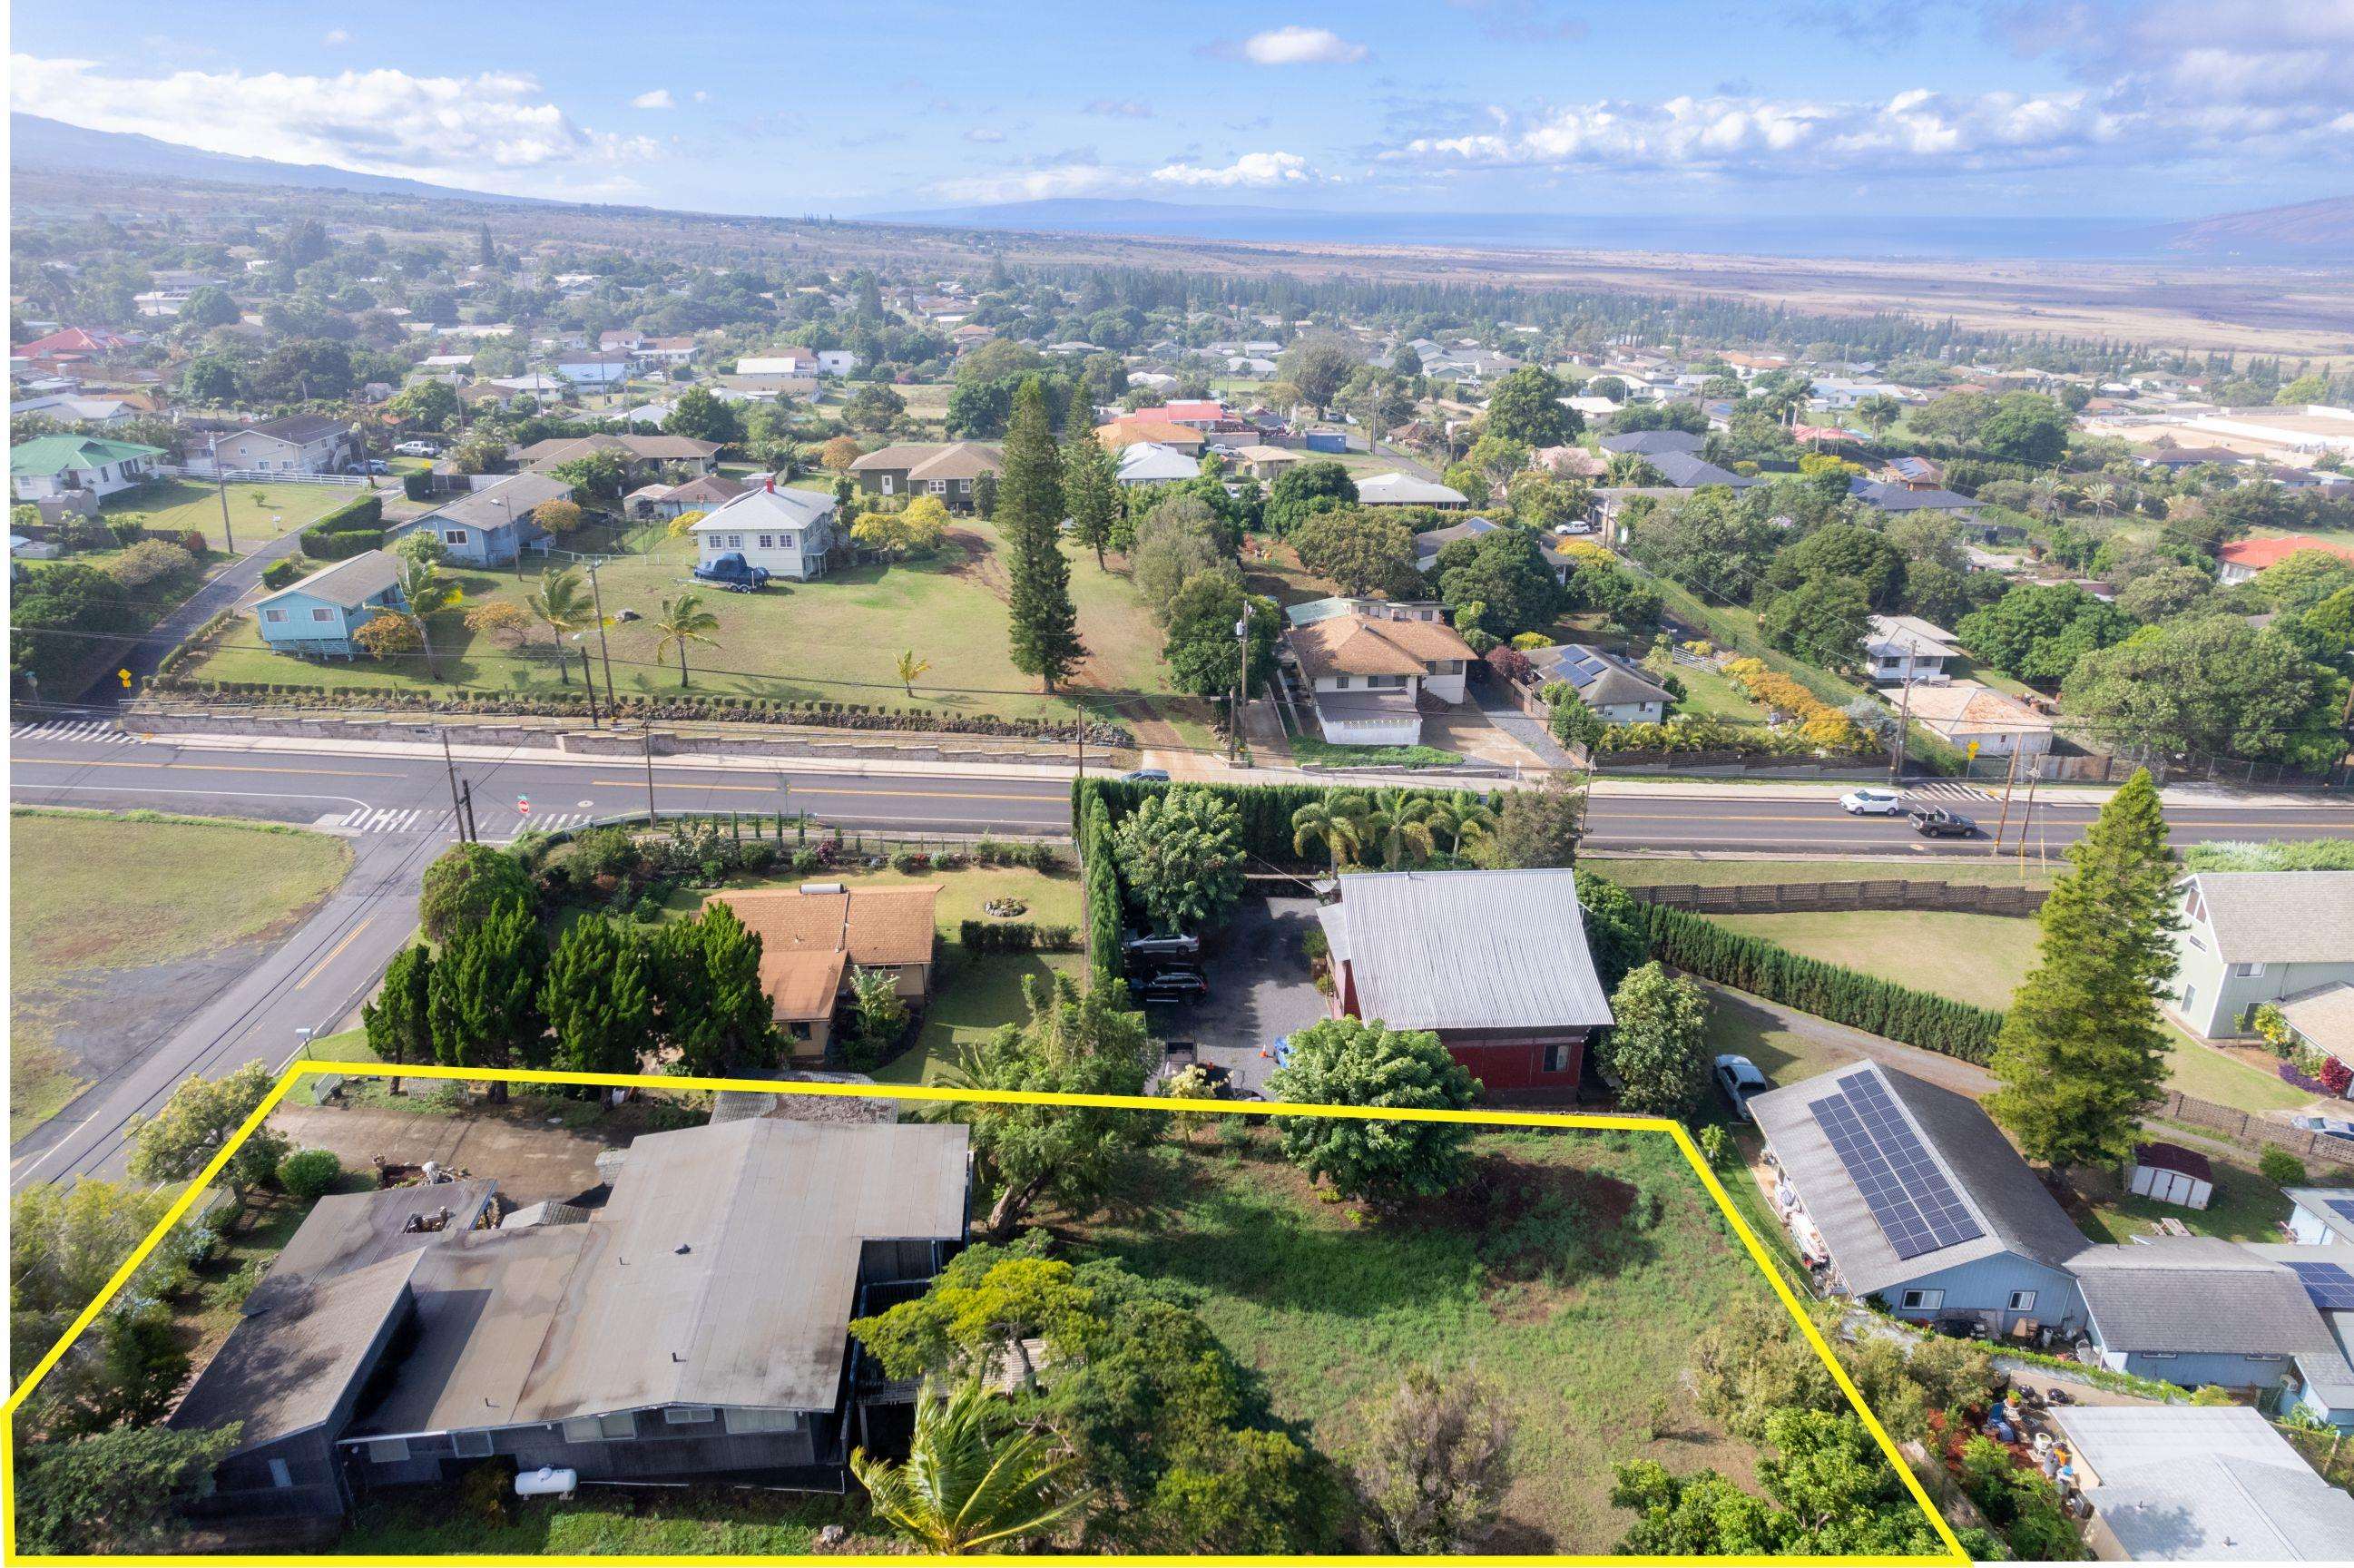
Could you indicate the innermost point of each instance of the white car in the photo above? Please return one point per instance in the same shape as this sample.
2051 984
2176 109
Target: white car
1739 1079
1871 803
418 449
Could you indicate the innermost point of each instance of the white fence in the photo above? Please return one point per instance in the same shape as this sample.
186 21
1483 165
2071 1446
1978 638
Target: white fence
268 476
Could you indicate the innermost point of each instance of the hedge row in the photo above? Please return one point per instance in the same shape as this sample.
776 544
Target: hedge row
355 526
1266 809
1700 946
1101 890
1015 936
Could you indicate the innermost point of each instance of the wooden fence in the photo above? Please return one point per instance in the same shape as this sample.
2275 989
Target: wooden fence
1807 898
2256 1131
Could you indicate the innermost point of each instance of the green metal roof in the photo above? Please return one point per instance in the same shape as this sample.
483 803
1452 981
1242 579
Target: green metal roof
55 454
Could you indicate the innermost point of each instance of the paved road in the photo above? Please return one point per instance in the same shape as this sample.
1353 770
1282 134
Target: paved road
141 655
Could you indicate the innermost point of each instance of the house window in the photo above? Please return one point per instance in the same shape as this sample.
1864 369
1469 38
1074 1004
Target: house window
472 1445
2246 972
1922 1300
768 541
279 1475
322 615
688 1414
735 541
797 1031
389 1450
2022 1301
1556 1059
762 1419
601 1428
273 616
937 486
2157 1355
2189 995
454 536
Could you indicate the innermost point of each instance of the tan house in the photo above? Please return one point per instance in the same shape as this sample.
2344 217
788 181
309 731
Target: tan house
1965 714
1263 462
943 471
1123 433
1371 674
812 935
639 454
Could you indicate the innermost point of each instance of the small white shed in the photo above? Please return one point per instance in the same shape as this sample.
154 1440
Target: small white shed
2172 1174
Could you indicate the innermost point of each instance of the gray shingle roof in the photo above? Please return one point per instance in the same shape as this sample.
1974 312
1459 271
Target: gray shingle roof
1685 471
1468 949
1888 497
2280 916
350 583
284 1369
1653 444
2198 1295
2014 1212
1602 678
301 429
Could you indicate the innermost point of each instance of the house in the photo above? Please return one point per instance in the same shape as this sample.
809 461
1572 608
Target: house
172 292
1617 691
299 443
708 494
74 407
1906 647
50 467
2175 459
2196 1310
944 470
1493 962
2169 1173
639 455
73 345
1195 413
492 526
1655 444
2323 1019
694 1326
1897 1188
796 361
1897 499
1978 719
315 616
2182 1484
2321 1216
1266 463
596 370
789 533
813 936
1368 673
2254 937
1126 431
1149 462
1570 462
667 351
1404 489
1913 473
2244 558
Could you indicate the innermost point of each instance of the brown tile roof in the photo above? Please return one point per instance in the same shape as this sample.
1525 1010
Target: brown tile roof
1123 433
1962 706
806 938
931 460
1351 645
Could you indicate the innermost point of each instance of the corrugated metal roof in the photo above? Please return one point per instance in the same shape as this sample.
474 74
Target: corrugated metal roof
1468 949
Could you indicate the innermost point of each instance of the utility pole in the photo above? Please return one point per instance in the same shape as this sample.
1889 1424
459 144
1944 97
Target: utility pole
596 595
473 833
1242 642
220 486
588 679
1896 741
2009 776
649 772
2027 815
457 810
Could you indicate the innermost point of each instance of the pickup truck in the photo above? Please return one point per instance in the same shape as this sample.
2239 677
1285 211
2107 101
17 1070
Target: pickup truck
732 572
1937 823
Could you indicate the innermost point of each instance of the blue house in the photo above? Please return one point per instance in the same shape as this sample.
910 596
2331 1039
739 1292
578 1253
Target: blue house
596 370
317 617
2195 1311
1897 1189
490 526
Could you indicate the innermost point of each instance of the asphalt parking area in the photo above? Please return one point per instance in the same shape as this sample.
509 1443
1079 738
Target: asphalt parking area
1261 989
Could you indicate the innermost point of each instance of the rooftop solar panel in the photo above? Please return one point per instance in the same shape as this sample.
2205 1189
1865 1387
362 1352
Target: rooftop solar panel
1910 1198
2342 1207
2329 1284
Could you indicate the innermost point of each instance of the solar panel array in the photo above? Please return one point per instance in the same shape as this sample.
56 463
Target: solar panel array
1916 1207
2342 1207
2329 1284
1583 669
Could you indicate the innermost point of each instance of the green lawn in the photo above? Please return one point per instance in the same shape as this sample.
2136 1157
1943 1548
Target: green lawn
258 512
1656 871
623 1523
173 889
1738 1026
2203 1073
835 640
1977 958
1573 1271
1707 691
2245 1208
1308 749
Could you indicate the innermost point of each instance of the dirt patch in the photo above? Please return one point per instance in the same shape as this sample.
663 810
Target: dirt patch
530 1159
981 565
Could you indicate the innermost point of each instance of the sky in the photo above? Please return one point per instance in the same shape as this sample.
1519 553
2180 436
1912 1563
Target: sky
1736 108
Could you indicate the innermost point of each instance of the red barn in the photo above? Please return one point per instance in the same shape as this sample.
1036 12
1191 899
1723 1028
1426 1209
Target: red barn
1493 962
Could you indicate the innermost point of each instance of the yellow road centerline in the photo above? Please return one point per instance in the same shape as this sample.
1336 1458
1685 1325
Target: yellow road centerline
334 952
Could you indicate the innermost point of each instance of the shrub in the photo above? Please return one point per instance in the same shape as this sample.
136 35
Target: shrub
465 885
1015 936
417 486
309 1174
278 574
355 526
2281 1168
150 560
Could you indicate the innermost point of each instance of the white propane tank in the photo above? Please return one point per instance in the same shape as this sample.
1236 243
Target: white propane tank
546 1481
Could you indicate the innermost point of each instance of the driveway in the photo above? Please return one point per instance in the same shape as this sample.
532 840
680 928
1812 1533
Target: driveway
1261 988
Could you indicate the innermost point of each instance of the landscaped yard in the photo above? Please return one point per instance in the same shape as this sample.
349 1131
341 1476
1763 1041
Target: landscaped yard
2245 1207
1709 692
97 976
1574 1271
258 513
1977 958
836 639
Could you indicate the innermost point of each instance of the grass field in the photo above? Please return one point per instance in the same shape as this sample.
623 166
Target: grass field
258 512
96 899
620 1522
1977 958
1573 1271
1709 693
1648 872
835 640
2245 1208
2201 1071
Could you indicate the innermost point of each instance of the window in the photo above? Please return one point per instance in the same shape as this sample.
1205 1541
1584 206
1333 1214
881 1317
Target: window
387 1450
273 616
768 541
689 1415
735 541
799 1031
2157 1355
762 1421
472 1445
937 486
1922 1300
454 536
2246 972
322 615
601 1428
1556 1059
2022 1301
2189 995
279 1475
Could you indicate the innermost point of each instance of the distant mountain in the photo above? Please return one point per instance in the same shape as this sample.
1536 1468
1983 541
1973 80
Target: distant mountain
52 147
1090 213
2309 229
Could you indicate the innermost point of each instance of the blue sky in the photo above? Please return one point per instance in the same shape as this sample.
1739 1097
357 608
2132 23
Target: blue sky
2069 107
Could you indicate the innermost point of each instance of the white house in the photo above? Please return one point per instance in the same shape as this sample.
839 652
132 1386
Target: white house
1367 671
789 532
1968 717
2321 1216
2254 936
299 443
797 360
1907 648
1404 489
1149 462
52 466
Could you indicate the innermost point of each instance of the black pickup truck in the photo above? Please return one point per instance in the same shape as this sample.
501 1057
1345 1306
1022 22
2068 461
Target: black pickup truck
732 572
1937 823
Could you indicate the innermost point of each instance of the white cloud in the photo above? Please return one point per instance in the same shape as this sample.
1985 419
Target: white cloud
336 38
1257 171
490 131
1033 184
1301 46
984 134
658 98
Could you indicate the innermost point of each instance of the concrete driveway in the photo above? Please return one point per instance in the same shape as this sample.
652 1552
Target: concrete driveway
1261 988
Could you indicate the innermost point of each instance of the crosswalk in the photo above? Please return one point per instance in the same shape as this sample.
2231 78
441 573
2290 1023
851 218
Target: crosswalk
393 820
1951 788
494 825
95 732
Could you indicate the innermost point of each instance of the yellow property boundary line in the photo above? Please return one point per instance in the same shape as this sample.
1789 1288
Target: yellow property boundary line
296 1072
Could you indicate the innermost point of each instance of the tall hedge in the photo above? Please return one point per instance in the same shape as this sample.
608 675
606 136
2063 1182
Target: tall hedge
1702 947
1266 809
1100 892
357 525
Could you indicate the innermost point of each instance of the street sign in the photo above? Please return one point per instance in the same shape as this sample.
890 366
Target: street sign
523 805
1974 751
123 676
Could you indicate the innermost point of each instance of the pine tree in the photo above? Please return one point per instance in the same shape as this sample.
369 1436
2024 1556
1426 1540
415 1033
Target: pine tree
714 1016
400 1028
1045 623
1091 488
599 999
482 998
2082 1053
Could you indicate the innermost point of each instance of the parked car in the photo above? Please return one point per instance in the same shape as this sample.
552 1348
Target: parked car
1739 1079
1162 949
373 465
1173 985
2329 1127
1871 802
1937 822
418 449
732 572
1145 776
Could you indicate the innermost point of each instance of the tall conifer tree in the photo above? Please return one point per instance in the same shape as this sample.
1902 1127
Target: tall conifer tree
1046 624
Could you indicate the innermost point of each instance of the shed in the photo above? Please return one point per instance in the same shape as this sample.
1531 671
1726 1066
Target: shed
2172 1174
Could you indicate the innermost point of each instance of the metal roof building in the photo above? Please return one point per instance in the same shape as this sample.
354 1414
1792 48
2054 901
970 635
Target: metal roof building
2174 1484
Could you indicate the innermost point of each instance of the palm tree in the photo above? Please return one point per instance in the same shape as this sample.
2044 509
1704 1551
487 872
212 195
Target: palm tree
564 607
1459 818
1400 829
1330 822
680 622
911 668
970 1483
424 592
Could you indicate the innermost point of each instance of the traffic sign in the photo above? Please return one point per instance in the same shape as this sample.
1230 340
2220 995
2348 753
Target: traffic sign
523 805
